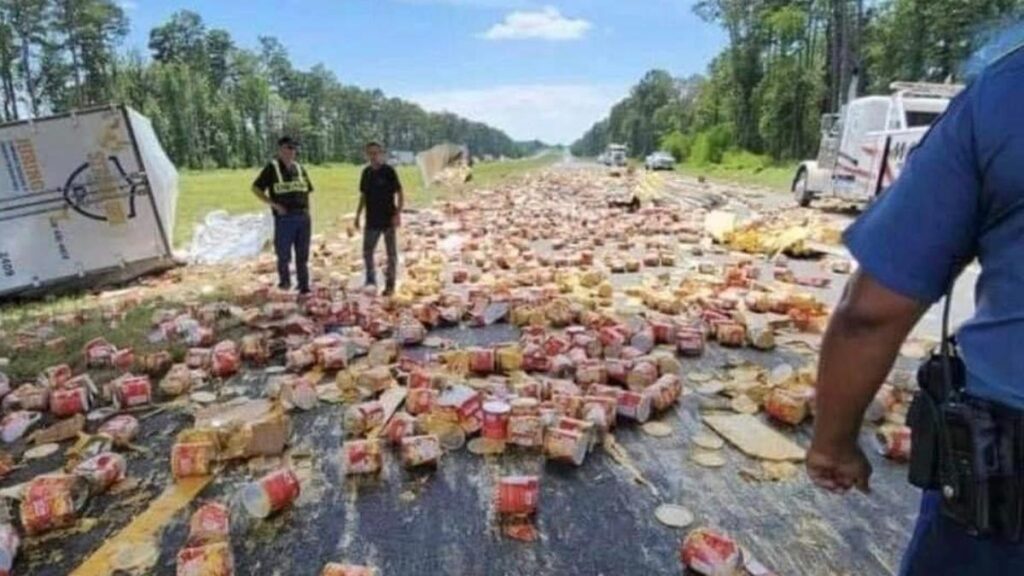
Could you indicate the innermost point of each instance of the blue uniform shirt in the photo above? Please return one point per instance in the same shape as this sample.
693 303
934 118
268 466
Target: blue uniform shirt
961 197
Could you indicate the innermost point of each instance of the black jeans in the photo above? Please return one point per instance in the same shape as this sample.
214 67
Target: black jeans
371 236
292 231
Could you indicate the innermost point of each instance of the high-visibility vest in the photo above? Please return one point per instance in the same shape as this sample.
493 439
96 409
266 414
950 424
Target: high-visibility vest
299 184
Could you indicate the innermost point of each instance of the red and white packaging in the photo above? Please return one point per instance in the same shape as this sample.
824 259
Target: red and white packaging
272 493
526 431
102 471
131 391
465 403
420 400
568 446
121 428
711 553
361 418
400 426
591 371
334 358
192 459
568 405
420 450
607 407
618 369
361 457
690 342
731 334
123 359
64 403
226 360
893 442
664 392
495 420
210 523
199 358
98 353
517 495
300 359
51 501
56 376
482 360
643 374
524 406
210 560
786 406
665 332
634 405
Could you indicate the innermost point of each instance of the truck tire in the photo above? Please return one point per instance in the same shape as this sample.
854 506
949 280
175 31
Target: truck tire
801 193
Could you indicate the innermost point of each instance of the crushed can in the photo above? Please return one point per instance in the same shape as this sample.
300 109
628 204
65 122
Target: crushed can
893 442
690 342
517 496
400 426
711 553
131 391
225 359
361 418
420 450
634 405
52 501
68 402
569 446
361 457
102 471
121 429
210 523
526 431
272 493
786 406
123 359
481 360
210 560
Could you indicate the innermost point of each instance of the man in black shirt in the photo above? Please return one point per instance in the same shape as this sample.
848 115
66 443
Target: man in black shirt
285 186
380 193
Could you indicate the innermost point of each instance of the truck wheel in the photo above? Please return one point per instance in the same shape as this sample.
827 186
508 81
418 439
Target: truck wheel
801 193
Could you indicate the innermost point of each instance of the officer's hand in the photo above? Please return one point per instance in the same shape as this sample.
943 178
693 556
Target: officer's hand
355 222
280 210
839 468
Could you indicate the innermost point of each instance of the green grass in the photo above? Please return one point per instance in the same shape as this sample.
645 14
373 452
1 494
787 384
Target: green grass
775 177
337 191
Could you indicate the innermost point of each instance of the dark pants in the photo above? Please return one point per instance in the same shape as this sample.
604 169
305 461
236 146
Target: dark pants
292 231
371 236
941 547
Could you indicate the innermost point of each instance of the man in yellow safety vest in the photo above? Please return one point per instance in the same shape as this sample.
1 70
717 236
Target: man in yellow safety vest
285 186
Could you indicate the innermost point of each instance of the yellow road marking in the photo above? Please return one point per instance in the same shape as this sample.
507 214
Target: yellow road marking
145 528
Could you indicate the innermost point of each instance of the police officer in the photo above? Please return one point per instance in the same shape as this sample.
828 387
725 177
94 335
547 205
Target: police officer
959 198
285 186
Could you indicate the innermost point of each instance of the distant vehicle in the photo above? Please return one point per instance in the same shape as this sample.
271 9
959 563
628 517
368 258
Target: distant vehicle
864 146
401 157
616 155
660 161
603 158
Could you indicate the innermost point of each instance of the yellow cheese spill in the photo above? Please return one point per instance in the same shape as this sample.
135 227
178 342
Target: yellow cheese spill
145 527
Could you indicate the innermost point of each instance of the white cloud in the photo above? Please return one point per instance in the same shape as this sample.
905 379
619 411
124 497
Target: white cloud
545 24
554 113
472 3
128 5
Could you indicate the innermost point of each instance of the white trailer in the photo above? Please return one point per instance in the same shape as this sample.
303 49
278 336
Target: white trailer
85 198
864 147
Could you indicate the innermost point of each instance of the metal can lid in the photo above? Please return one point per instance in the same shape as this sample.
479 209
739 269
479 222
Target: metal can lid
497 407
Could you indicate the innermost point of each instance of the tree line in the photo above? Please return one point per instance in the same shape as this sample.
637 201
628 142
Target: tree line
786 63
212 102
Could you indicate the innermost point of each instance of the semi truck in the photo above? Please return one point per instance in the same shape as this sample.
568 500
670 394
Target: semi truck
864 146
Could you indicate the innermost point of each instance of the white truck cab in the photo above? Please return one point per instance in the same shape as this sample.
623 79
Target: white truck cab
864 146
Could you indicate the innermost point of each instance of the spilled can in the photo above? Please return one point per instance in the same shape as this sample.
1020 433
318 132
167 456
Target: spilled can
517 495
272 493
495 421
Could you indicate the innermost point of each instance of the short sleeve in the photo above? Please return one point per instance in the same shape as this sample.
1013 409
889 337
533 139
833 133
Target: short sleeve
394 178
920 233
362 182
309 182
265 180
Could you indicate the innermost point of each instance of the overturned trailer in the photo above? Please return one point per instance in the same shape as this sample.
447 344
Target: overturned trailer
86 198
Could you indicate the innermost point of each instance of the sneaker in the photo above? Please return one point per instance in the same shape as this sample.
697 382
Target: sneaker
388 292
304 291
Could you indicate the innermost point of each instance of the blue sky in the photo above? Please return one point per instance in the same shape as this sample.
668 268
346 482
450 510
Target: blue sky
541 69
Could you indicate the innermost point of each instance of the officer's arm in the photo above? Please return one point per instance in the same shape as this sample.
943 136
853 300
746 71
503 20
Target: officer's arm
362 198
859 348
399 194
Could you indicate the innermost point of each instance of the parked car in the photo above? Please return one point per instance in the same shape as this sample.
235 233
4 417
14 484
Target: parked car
660 161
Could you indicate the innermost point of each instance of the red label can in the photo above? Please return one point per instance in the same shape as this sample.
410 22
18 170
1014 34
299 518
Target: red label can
123 359
518 495
419 378
102 470
420 400
495 424
481 360
210 523
690 342
272 493
634 405
361 456
69 402
133 391
893 442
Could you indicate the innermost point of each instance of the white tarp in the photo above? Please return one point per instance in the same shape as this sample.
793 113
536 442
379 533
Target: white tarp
223 238
83 196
